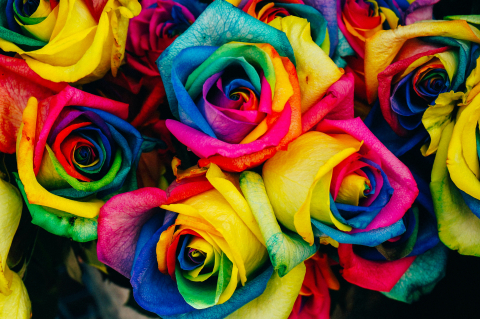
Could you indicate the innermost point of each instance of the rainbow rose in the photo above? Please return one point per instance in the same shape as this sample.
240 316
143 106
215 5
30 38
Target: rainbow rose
68 41
410 264
314 298
203 256
348 186
138 81
239 103
419 90
153 30
74 152
359 19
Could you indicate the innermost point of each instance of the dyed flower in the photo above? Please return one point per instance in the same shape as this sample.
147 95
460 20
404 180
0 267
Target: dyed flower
205 256
68 41
14 300
241 102
73 152
409 265
379 56
419 91
138 82
152 31
348 186
359 20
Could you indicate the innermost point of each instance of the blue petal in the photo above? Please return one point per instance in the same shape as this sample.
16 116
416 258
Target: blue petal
370 238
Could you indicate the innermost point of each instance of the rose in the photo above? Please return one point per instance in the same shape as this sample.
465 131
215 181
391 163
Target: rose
378 56
359 19
231 113
152 31
138 81
74 41
347 185
206 233
418 91
408 266
14 301
73 152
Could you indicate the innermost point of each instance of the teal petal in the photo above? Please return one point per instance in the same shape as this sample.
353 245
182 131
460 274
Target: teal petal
342 50
422 276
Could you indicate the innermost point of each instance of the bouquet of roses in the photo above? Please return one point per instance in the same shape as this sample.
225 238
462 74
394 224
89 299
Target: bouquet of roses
236 159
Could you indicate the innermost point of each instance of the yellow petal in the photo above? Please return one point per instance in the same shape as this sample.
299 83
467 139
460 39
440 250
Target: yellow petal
315 70
298 180
437 117
462 158
278 298
235 198
352 189
11 203
17 304
14 301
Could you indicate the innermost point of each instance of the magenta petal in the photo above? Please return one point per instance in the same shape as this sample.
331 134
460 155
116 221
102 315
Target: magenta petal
337 104
265 104
375 275
119 225
205 146
399 176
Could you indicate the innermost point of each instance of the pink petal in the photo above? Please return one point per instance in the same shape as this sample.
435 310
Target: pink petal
119 225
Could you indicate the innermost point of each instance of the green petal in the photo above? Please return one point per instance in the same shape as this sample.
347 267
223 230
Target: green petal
60 223
286 249
201 295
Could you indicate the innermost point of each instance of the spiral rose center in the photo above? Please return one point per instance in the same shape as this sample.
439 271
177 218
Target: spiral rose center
30 7
267 11
84 155
33 18
231 104
430 81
